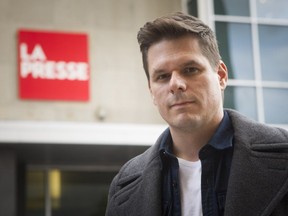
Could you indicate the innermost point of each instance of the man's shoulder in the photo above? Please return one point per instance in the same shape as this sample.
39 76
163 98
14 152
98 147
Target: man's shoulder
140 162
255 133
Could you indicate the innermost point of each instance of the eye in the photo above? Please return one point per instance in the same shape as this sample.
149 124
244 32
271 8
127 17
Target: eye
190 70
163 76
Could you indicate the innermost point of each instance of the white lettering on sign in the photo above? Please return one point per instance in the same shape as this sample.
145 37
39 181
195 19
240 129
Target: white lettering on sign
37 65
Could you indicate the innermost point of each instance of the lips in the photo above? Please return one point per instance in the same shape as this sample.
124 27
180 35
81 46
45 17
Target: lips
182 103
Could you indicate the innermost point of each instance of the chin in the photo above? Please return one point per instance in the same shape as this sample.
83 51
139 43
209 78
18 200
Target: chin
186 122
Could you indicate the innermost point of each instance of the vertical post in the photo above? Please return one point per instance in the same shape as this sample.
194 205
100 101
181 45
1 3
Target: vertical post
48 209
8 183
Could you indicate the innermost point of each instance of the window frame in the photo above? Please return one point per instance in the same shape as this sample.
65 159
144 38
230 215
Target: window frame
206 13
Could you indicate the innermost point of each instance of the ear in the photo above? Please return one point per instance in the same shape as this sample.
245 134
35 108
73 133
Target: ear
222 72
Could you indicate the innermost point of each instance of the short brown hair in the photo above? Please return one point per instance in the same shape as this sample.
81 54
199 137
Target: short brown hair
175 26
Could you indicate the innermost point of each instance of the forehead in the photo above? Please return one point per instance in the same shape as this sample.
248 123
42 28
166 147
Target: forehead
174 51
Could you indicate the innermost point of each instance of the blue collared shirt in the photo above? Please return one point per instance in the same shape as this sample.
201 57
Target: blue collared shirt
215 158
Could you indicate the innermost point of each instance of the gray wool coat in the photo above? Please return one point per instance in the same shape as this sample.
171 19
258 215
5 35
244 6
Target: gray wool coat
258 183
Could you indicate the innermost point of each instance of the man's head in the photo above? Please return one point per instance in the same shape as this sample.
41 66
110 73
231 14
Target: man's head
175 26
185 74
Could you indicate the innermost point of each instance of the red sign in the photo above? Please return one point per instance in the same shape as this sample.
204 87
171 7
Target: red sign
53 65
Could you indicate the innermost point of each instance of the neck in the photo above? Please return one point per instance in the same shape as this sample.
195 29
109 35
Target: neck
188 143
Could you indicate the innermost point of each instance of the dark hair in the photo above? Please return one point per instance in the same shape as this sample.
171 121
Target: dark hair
175 26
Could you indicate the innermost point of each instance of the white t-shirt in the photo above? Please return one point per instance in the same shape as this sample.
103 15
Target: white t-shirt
190 187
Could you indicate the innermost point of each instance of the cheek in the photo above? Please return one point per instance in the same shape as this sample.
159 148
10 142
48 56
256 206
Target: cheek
211 89
215 92
153 94
157 99
154 100
157 95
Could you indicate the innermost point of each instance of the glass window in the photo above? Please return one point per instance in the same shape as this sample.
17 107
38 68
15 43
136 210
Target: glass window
242 99
82 193
232 7
272 8
235 44
273 52
71 193
255 51
192 7
276 105
35 193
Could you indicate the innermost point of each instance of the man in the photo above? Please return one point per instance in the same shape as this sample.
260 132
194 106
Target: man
210 161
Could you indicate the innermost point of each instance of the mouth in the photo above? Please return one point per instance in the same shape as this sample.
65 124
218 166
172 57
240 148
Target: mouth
182 104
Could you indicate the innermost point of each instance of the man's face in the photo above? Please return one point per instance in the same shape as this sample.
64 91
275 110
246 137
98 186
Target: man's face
183 84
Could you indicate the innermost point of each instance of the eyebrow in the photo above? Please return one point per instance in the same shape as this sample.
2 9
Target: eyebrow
188 61
191 62
156 72
185 64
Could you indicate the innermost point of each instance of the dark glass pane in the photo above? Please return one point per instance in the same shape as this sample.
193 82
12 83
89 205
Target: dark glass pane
35 193
232 7
274 52
242 99
235 44
82 193
276 105
192 7
272 9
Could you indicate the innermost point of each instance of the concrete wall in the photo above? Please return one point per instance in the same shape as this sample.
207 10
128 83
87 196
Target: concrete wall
118 84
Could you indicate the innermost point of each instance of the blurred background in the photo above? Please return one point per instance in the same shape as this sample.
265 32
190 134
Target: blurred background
59 155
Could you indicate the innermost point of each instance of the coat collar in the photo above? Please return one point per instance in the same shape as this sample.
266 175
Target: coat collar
259 172
141 191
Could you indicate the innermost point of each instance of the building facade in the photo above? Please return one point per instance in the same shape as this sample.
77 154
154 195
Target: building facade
58 157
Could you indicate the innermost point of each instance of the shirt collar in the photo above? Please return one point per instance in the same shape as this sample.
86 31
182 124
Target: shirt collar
166 142
223 136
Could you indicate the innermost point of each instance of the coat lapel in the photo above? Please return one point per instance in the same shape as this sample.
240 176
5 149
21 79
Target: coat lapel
143 196
258 181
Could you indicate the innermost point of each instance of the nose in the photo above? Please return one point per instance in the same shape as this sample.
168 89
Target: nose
177 83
